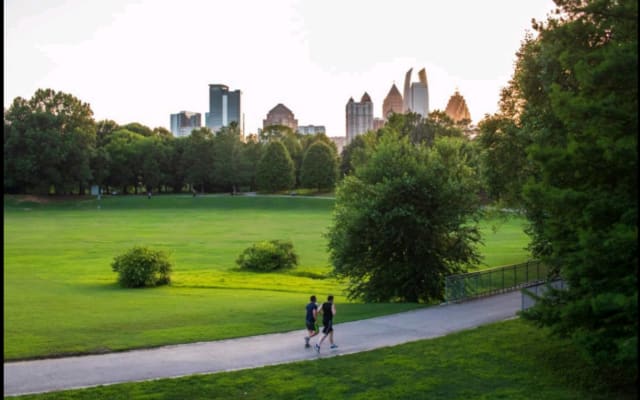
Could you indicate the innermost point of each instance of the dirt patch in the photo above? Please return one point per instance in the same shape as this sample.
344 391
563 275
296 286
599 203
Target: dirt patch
33 199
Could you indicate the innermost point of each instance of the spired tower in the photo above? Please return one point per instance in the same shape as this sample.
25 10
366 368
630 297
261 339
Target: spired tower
416 94
457 108
393 103
359 117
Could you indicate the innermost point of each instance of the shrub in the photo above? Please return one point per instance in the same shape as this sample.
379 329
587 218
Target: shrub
141 267
268 256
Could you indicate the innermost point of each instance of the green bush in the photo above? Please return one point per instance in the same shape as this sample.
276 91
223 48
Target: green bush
268 256
141 267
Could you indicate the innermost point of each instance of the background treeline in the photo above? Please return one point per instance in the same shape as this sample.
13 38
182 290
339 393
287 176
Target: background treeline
52 145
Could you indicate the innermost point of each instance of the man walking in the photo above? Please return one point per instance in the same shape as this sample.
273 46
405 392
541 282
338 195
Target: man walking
312 315
328 310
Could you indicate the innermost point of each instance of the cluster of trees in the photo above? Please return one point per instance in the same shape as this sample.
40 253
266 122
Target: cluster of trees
564 148
53 145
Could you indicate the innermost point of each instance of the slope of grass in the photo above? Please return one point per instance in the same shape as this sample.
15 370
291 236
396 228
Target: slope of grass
61 297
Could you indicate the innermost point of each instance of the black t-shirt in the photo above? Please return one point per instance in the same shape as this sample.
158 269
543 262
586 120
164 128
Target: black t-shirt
327 314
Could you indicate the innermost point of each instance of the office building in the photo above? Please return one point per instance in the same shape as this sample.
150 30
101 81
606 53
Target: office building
311 129
416 94
224 107
457 108
184 122
359 117
392 103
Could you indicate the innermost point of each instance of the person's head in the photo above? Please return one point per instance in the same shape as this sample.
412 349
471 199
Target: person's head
313 299
330 298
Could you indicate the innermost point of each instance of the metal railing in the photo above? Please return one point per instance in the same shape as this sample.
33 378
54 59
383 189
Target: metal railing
462 287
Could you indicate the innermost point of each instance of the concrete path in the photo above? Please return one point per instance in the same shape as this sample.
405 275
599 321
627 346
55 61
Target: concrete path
223 355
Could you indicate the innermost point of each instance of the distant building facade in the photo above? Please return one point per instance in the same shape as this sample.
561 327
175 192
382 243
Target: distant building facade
184 122
359 117
392 103
416 94
378 123
457 108
339 142
280 115
311 129
225 106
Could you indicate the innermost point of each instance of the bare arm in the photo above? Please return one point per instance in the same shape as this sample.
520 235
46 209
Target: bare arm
333 309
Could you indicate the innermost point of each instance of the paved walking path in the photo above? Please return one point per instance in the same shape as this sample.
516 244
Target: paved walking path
223 355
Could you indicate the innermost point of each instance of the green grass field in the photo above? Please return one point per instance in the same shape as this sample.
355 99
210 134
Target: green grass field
61 297
506 360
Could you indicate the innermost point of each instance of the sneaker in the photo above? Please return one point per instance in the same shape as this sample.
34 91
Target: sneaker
334 346
307 345
317 348
306 341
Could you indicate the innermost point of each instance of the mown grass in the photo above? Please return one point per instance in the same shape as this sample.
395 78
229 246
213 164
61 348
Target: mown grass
506 360
61 297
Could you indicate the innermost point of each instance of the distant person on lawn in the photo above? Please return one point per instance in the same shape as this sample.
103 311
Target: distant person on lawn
328 310
312 316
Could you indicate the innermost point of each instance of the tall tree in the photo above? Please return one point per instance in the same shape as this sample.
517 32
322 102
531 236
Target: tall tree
275 170
199 158
404 220
48 142
575 87
320 167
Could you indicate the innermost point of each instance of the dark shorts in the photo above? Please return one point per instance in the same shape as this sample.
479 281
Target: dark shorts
311 325
327 327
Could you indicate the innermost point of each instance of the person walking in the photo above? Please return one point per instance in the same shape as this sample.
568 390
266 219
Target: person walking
310 321
328 310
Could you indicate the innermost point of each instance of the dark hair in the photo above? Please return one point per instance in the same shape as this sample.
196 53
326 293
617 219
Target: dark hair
312 298
330 297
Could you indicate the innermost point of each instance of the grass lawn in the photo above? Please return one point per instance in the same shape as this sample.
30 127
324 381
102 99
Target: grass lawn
60 295
506 360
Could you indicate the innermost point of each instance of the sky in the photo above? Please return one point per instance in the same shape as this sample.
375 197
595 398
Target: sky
142 60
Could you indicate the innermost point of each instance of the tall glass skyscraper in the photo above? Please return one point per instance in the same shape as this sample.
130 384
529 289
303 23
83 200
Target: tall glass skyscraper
224 107
184 122
359 117
416 94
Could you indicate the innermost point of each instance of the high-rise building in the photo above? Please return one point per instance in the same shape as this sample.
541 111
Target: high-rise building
378 123
311 129
281 115
224 108
359 117
416 94
392 103
184 122
457 108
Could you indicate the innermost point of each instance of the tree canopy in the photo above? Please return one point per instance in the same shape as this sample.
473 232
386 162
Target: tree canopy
404 220
574 97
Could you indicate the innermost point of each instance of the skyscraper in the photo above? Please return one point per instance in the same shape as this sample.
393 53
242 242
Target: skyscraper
457 108
184 122
416 94
359 117
392 103
224 108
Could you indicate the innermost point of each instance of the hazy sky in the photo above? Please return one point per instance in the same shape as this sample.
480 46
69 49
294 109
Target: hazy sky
141 60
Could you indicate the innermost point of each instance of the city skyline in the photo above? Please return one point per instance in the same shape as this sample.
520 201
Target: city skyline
140 61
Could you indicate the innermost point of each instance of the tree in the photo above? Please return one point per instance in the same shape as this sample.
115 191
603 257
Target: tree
405 220
123 166
227 146
275 170
319 167
355 153
199 156
575 92
48 142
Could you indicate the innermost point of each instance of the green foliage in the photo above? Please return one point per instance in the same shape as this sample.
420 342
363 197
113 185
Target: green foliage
575 91
276 170
48 142
320 167
404 220
142 267
268 256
